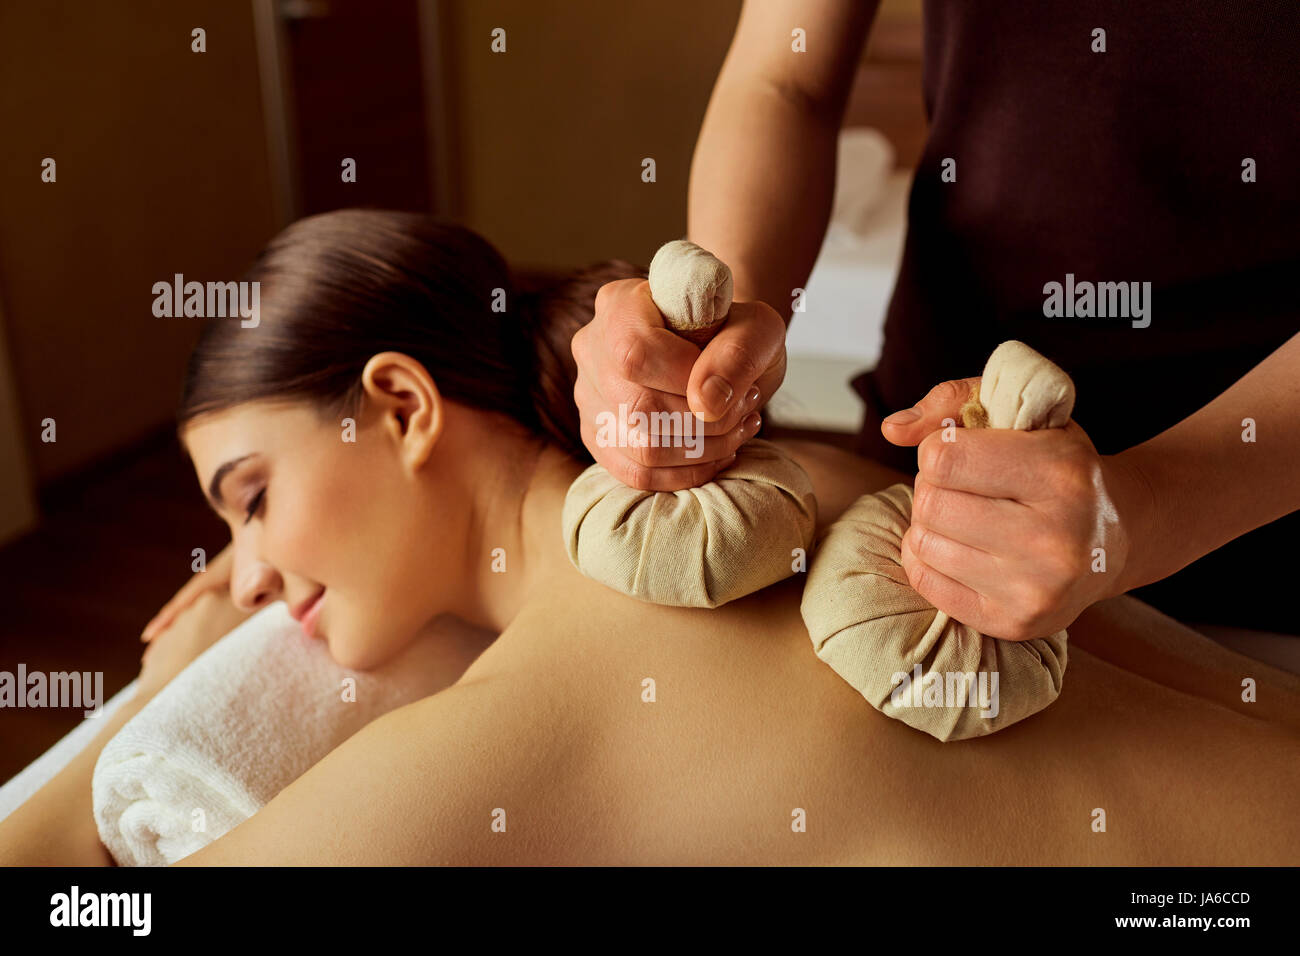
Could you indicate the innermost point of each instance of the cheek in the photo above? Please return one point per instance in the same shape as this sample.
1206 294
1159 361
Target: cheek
370 541
309 516
366 513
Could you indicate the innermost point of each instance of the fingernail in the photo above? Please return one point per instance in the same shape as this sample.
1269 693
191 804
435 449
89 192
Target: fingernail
717 389
751 422
751 397
905 417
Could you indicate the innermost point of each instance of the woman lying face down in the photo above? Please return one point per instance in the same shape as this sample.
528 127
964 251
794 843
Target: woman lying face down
412 449
367 493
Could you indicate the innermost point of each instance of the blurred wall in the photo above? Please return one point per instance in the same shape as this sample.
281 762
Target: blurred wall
163 163
161 168
550 135
17 496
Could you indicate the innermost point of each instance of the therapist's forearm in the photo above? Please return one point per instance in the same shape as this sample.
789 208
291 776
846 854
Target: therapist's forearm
762 182
56 825
1207 485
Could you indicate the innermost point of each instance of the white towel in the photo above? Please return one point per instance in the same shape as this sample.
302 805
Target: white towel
237 726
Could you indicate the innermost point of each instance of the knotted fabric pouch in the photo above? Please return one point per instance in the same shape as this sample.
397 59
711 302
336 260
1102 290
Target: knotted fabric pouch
908 659
700 547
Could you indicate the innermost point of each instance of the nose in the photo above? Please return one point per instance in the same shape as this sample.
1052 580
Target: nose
253 584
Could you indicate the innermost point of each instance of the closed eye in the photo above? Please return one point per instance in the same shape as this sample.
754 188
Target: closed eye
254 505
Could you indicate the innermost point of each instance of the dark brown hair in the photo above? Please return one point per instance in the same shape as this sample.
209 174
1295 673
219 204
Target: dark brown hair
339 287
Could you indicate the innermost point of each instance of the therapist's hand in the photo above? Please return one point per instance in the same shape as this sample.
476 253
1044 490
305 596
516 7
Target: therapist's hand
1005 522
627 357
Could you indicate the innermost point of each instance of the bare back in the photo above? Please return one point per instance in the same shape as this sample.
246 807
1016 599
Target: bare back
748 733
550 750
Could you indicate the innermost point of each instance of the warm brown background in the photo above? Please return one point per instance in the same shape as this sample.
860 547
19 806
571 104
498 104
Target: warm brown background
165 165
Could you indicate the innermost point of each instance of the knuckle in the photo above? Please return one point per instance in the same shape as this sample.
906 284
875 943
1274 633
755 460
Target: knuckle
1064 467
650 456
1076 484
1072 463
914 569
636 455
938 460
632 473
740 361
773 322
770 327
919 578
603 295
945 393
922 495
577 342
921 542
630 357
1064 563
642 402
1034 604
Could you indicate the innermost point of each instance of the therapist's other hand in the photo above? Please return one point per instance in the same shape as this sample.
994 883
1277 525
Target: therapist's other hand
1005 523
627 357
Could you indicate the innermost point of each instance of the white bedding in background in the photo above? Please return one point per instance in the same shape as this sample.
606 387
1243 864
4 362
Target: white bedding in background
841 331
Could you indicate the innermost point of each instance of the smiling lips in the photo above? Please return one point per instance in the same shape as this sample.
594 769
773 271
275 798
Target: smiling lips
308 613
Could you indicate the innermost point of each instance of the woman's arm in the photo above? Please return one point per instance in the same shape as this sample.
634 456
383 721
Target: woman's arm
56 825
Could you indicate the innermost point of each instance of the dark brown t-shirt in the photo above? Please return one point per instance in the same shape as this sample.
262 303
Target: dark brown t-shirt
1120 166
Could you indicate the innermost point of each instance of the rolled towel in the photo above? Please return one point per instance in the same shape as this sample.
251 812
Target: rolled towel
908 659
700 547
237 726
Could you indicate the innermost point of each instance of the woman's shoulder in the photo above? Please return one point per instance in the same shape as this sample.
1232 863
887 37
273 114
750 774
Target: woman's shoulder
839 477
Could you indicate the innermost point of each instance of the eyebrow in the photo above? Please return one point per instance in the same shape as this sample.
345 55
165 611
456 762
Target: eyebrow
214 487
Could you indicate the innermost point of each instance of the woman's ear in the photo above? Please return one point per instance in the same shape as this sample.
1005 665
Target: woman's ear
405 403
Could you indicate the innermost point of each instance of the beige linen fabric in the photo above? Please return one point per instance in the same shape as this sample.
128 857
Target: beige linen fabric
700 547
1022 389
868 624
